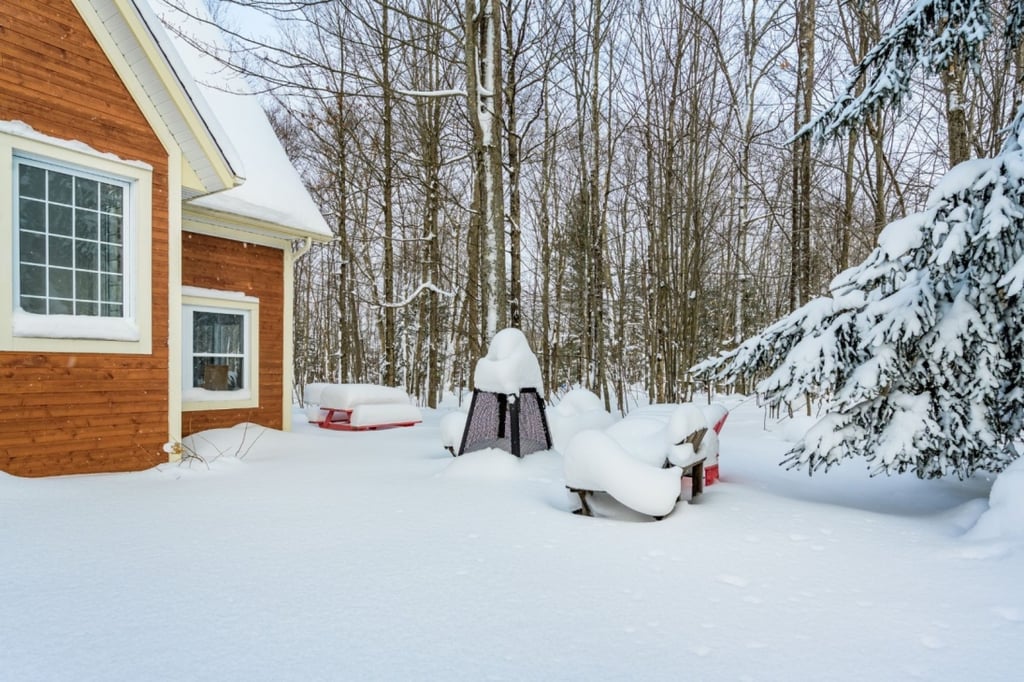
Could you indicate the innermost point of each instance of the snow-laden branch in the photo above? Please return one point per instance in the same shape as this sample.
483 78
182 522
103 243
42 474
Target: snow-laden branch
432 93
425 286
932 34
920 348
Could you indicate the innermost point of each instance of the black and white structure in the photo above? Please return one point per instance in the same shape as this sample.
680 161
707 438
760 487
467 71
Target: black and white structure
507 411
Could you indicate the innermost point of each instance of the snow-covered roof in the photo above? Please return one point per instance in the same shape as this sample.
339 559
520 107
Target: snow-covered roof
271 190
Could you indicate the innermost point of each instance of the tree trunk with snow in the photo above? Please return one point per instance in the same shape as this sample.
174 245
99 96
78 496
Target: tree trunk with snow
388 334
487 212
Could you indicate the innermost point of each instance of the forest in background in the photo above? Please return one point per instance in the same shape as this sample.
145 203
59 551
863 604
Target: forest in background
633 163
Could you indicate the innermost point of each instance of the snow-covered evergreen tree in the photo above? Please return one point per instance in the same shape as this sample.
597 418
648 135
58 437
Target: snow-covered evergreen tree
921 346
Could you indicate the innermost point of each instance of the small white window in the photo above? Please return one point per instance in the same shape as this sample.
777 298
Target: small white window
219 369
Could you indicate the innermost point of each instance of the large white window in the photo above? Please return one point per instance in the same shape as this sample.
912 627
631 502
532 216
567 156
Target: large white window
75 247
219 368
71 243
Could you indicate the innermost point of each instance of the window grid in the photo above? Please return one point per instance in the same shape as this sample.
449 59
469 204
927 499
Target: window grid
70 241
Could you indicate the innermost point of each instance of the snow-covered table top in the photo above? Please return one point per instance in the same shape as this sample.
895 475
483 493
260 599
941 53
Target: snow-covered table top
348 396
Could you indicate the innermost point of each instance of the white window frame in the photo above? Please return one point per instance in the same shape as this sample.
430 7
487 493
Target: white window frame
131 332
196 399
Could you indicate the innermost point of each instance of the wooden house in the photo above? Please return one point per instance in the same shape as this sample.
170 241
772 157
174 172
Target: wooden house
149 224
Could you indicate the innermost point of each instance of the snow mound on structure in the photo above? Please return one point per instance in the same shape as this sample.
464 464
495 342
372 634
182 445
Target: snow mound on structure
383 413
709 448
348 396
509 365
655 433
684 421
715 414
452 426
578 401
595 461
312 393
641 433
1004 519
578 410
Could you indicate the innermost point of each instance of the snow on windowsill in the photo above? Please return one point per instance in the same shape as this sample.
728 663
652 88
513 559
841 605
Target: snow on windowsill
73 327
200 292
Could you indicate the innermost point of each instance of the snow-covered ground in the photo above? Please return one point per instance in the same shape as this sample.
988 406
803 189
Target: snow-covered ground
377 556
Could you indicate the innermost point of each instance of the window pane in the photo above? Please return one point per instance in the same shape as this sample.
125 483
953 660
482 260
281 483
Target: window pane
85 224
60 220
60 283
111 198
87 255
87 287
31 181
32 247
87 193
110 258
60 187
92 309
32 215
33 280
61 307
111 310
62 252
218 373
110 228
33 305
217 332
110 288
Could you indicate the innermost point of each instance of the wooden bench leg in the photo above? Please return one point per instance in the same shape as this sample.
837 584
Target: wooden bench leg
584 509
697 480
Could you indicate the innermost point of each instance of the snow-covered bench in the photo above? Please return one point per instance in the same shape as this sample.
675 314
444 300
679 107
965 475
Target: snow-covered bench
596 463
364 407
629 459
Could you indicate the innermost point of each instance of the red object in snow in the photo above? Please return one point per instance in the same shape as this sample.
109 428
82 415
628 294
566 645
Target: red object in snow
715 414
341 420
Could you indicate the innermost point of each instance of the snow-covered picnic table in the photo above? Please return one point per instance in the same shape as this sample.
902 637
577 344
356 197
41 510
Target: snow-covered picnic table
361 407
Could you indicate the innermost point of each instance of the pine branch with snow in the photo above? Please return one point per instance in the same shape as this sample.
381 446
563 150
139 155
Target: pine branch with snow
932 34
920 347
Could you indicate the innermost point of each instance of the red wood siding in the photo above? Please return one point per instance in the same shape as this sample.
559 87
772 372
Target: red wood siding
66 413
258 271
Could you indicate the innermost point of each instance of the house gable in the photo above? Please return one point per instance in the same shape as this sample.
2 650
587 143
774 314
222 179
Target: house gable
78 411
134 41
